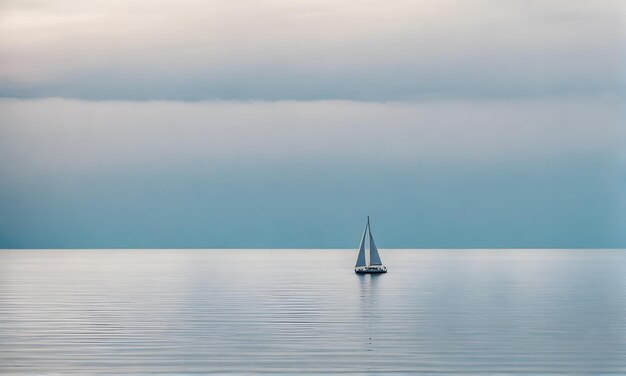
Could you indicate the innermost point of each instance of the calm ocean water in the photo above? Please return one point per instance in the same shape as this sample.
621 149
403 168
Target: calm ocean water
442 312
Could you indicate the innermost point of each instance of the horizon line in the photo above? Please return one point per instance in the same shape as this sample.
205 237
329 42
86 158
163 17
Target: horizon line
322 249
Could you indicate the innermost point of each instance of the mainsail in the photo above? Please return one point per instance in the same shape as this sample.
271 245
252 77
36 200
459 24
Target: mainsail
360 261
374 257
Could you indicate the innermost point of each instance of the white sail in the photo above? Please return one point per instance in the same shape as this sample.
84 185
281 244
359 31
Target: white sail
373 265
360 261
374 257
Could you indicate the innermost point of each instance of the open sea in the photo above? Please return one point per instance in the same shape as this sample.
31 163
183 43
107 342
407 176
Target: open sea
294 312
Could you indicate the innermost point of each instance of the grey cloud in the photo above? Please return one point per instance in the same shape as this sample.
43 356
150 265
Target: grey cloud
52 134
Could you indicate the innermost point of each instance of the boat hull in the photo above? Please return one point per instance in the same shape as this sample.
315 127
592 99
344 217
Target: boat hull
370 270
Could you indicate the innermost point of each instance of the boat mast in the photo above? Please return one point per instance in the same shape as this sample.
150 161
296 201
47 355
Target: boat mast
369 244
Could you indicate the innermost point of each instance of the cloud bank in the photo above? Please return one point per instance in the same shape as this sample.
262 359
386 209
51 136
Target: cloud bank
52 134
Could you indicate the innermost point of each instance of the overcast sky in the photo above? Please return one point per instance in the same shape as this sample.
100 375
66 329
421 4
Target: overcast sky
283 123
311 49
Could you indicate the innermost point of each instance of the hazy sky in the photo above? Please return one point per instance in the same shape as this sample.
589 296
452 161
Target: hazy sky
283 123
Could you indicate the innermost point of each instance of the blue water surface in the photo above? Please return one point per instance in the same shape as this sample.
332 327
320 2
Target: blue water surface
440 312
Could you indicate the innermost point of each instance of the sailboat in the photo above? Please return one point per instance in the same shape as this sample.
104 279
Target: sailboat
375 265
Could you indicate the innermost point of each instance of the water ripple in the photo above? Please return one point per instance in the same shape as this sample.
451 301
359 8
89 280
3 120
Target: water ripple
438 312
